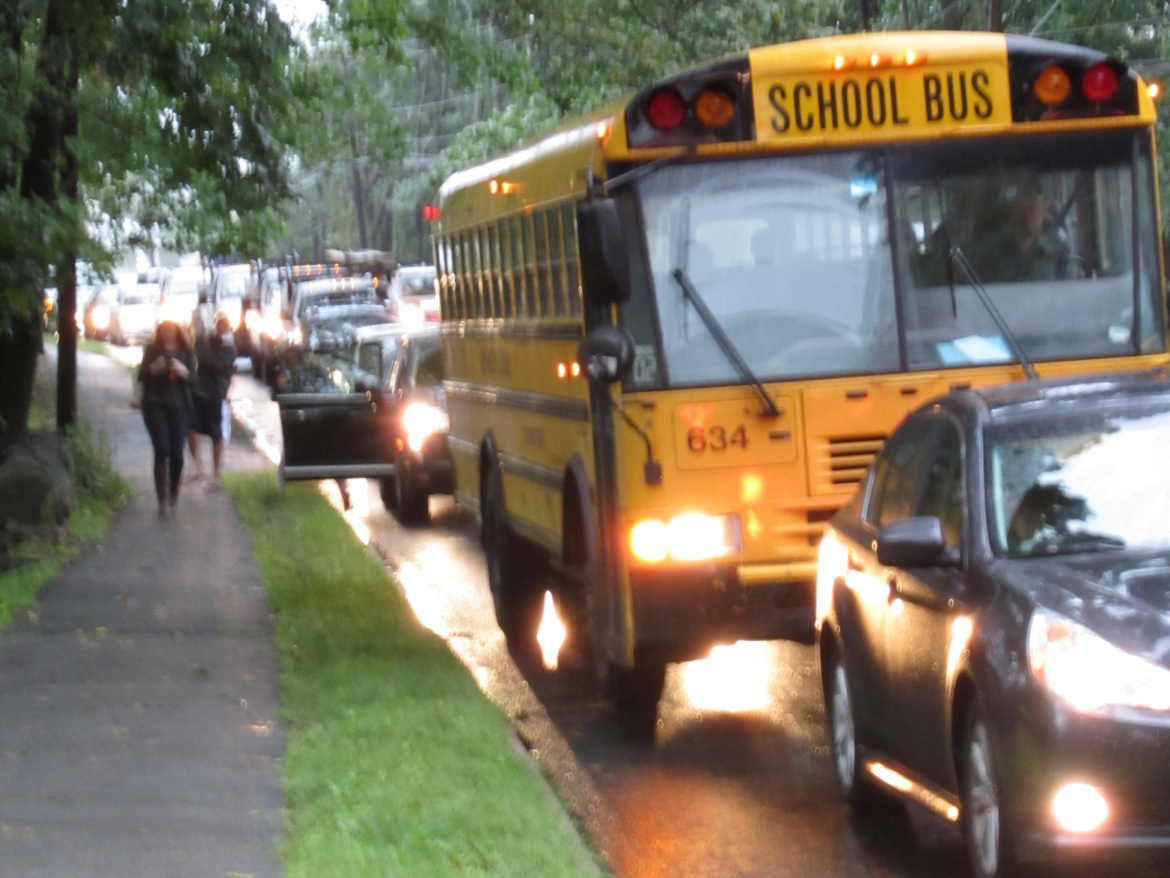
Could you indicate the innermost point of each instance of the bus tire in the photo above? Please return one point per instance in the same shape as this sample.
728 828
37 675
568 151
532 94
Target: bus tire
635 691
513 574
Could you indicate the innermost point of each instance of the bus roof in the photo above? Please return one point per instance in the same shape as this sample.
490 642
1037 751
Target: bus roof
846 90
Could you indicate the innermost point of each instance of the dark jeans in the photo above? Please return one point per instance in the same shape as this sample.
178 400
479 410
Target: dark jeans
167 426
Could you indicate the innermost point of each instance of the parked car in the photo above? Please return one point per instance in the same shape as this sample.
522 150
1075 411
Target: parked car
409 369
134 314
229 286
994 614
95 314
413 294
179 294
374 409
265 321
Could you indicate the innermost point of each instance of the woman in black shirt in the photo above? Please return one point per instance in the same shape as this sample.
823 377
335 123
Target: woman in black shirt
166 371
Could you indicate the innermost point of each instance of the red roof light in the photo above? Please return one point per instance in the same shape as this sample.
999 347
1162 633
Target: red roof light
665 110
1099 83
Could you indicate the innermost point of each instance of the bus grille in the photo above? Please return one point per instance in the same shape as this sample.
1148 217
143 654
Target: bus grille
849 459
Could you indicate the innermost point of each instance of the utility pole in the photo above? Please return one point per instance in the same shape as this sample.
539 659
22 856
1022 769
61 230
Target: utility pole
865 15
995 16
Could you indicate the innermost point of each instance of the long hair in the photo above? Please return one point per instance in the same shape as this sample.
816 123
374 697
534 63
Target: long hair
180 336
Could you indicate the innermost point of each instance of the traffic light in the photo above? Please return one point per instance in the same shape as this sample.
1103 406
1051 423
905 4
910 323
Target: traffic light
430 213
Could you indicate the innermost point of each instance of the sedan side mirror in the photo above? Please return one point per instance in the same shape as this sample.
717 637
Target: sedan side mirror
606 354
915 542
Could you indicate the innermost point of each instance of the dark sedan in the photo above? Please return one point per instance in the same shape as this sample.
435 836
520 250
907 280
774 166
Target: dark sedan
370 408
994 620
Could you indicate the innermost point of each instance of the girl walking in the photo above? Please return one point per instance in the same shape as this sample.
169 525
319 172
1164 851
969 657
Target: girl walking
166 371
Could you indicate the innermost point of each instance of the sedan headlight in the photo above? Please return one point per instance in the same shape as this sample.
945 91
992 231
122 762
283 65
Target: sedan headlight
273 325
1088 672
692 536
421 420
100 316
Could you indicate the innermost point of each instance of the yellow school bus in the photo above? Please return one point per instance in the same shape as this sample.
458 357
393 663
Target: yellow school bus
677 332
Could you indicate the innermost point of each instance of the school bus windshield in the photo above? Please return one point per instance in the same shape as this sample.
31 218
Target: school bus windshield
794 257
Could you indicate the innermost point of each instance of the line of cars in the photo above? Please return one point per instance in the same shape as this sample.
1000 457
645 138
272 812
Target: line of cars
358 379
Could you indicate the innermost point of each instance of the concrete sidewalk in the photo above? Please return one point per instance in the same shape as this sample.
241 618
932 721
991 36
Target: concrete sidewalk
138 696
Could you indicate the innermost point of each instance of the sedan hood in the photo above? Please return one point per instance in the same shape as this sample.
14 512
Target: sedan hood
1122 596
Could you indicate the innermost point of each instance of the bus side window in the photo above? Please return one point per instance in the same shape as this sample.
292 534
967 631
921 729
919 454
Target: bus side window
503 276
556 261
517 266
443 253
530 261
492 260
573 275
457 309
478 299
465 273
543 288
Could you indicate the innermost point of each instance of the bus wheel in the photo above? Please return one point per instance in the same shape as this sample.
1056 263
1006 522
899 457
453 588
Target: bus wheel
635 691
512 574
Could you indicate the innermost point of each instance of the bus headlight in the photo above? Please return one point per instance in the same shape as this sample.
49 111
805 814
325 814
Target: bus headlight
690 537
421 420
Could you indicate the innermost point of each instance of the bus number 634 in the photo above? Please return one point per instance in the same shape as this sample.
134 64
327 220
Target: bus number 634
715 438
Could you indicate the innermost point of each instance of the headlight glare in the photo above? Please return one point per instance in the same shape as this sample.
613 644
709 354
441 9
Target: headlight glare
420 420
648 541
100 316
832 564
692 536
1089 673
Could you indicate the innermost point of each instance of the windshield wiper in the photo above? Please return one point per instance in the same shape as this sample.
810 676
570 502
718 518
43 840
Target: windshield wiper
636 173
956 255
725 343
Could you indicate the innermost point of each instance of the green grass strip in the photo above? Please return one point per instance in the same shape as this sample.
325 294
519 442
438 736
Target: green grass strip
38 561
396 764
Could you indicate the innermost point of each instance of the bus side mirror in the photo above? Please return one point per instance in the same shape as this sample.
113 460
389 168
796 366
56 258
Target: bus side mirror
605 256
606 354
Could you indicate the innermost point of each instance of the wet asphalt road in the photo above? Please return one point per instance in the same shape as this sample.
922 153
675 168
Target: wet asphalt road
737 779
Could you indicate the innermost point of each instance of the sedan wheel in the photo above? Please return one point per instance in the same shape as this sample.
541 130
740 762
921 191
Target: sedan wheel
844 736
987 845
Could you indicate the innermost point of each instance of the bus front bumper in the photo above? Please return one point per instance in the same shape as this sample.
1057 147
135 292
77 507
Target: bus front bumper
683 611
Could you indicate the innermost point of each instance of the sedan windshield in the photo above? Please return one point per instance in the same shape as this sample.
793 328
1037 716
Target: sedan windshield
1079 483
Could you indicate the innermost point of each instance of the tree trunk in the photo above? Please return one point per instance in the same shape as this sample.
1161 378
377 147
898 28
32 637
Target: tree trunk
38 182
359 195
18 364
67 271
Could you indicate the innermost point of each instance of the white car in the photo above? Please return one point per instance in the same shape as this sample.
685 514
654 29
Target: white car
180 294
134 314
